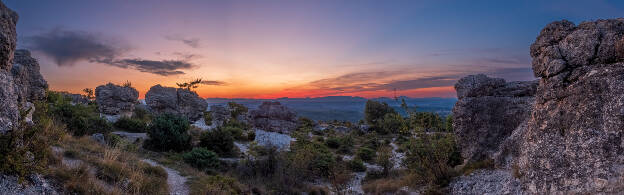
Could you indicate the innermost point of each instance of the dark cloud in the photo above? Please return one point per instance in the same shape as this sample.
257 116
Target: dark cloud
192 42
68 47
218 83
164 67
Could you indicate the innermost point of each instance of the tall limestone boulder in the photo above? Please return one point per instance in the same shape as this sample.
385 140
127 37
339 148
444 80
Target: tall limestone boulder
487 112
115 101
175 100
29 83
273 116
9 113
574 142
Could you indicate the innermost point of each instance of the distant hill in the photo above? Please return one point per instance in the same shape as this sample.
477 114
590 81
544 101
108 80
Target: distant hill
346 108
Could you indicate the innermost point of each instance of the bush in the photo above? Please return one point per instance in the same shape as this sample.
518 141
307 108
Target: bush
357 165
251 135
208 118
80 119
218 140
142 114
236 109
429 158
26 150
375 111
391 123
366 154
202 159
236 132
333 142
131 124
169 132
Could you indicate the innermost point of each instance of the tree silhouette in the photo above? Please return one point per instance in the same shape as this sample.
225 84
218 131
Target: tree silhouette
190 85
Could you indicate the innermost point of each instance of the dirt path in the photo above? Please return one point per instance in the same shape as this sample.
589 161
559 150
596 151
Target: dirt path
176 181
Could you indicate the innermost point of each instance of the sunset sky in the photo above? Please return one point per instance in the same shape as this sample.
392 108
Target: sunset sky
290 48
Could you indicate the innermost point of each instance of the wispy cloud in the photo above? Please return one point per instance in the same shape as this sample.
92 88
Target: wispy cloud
191 42
217 83
67 48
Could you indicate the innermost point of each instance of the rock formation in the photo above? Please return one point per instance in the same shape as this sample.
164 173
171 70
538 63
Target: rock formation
9 113
272 116
29 83
220 114
175 100
574 142
487 112
115 100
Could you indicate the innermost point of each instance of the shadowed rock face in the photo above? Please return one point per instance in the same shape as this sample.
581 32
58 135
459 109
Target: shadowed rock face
116 100
487 112
273 116
29 83
574 142
9 112
176 101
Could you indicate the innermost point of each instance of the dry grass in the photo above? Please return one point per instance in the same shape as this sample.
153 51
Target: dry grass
383 186
106 170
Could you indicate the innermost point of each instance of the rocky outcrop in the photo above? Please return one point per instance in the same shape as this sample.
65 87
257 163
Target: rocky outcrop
9 113
488 110
273 116
29 83
574 141
220 114
175 100
8 20
486 182
115 100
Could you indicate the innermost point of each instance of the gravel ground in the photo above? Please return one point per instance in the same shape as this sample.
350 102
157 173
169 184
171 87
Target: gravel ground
176 181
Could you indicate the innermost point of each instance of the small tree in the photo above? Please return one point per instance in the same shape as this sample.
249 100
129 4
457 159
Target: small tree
89 93
384 159
236 109
190 85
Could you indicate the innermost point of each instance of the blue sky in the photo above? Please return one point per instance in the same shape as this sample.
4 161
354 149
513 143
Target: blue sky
291 48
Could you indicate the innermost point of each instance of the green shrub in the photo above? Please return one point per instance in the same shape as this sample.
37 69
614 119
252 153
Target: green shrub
356 165
26 150
218 140
142 114
429 158
391 123
333 142
80 119
375 111
208 118
236 132
131 125
169 132
202 159
365 153
236 109
251 135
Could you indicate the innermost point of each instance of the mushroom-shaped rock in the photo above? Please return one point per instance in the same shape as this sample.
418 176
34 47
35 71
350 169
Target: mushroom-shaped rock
115 100
180 101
